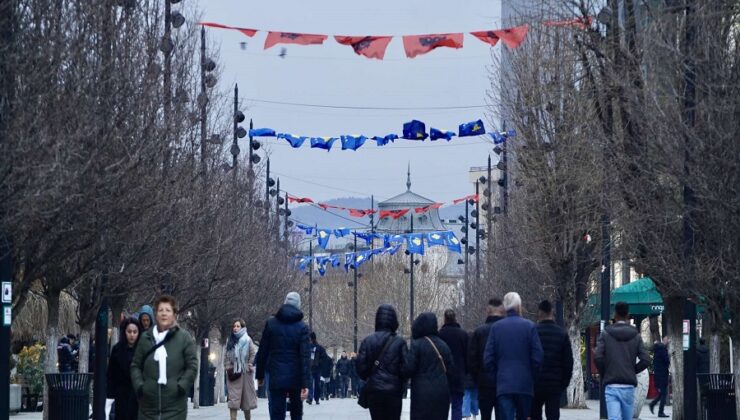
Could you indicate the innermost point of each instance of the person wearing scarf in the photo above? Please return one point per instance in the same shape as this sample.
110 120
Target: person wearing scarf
164 366
239 360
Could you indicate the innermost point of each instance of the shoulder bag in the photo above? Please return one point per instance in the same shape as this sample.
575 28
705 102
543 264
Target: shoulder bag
362 399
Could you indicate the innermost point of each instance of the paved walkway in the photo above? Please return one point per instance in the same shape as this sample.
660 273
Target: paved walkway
347 410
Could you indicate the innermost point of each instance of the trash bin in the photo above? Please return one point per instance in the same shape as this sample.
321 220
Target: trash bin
717 396
69 395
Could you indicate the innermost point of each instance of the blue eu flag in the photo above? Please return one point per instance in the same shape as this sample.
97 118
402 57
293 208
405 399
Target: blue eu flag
362 257
414 130
473 128
294 141
324 235
262 132
352 142
321 264
307 229
349 259
415 243
436 134
303 263
322 142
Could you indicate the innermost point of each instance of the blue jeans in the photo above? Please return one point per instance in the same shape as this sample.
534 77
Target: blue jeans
456 402
514 406
470 402
620 402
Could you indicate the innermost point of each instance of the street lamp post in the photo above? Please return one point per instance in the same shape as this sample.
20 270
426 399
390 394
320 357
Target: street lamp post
411 279
310 286
477 235
354 292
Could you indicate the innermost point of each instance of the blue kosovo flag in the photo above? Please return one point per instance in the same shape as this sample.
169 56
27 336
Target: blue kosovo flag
393 249
321 264
473 128
262 132
436 238
322 142
511 133
368 237
362 257
334 260
453 244
382 141
352 142
341 232
414 130
436 134
307 229
324 235
303 263
349 259
415 243
386 240
398 239
294 141
497 137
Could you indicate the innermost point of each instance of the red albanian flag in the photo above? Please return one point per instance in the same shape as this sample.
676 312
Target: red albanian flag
274 38
368 46
488 37
513 37
427 208
248 32
581 22
292 199
422 44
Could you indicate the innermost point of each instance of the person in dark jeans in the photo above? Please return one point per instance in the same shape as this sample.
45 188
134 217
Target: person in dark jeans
557 368
285 354
344 368
457 340
384 384
318 354
661 364
514 356
486 384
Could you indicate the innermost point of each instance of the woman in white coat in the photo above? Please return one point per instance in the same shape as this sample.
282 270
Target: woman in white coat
239 364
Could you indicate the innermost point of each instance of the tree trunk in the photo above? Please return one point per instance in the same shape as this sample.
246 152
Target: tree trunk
736 373
576 394
674 316
715 351
84 353
52 336
196 385
220 394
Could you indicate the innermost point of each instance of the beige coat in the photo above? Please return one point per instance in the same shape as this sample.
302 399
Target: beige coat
242 393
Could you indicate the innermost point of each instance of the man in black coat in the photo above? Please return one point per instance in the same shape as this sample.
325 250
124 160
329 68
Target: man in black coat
457 340
285 353
557 368
384 383
318 355
661 363
344 368
486 384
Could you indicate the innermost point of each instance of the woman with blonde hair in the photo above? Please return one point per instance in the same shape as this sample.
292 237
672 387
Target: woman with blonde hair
239 364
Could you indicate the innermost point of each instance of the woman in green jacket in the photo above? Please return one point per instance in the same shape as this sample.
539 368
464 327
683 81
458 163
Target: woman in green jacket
164 367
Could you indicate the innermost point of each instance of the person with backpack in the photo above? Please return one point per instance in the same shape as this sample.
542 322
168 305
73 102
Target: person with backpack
380 365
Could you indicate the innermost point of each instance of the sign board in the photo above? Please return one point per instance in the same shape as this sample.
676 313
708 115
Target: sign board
686 326
7 292
685 342
7 315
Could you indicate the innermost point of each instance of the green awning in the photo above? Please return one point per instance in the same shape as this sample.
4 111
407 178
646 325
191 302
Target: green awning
642 296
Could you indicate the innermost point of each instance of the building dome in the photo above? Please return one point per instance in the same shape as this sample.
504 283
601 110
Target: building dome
428 221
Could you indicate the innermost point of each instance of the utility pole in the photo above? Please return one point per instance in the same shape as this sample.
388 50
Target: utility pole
355 296
277 212
285 221
235 144
489 224
477 234
204 101
689 202
310 285
267 192
467 244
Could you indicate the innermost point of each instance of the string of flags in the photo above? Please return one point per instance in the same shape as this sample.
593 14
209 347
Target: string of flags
374 46
415 244
353 212
412 130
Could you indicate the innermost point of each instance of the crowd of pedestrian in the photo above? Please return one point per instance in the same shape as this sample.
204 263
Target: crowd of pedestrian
507 368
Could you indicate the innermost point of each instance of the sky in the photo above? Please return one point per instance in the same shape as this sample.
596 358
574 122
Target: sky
332 74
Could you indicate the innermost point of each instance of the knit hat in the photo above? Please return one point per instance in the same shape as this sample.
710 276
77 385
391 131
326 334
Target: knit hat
293 299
